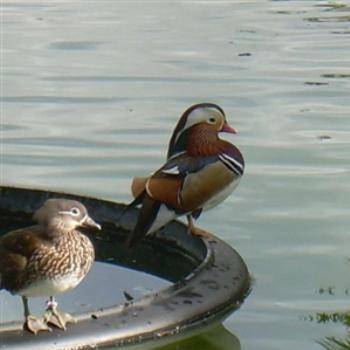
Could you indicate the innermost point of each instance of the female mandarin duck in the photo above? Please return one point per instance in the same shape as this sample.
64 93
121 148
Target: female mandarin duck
49 258
201 171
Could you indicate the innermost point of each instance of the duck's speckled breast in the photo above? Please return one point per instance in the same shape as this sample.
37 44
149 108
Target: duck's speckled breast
60 267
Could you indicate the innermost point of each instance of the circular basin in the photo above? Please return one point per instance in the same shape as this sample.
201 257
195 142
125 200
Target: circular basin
169 287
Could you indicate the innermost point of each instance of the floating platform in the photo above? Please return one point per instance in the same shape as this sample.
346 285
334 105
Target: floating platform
191 283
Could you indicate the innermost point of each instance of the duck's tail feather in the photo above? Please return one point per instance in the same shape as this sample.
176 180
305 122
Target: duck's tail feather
147 216
137 201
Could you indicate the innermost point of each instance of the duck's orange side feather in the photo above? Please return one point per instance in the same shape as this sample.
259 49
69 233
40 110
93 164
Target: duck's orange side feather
165 190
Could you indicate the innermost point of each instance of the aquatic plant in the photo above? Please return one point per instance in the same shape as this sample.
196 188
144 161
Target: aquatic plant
332 343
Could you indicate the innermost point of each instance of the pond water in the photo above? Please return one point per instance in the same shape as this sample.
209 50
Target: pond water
92 90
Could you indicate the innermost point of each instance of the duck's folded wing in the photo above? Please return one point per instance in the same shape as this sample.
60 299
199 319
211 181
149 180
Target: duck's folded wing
24 241
13 259
16 248
186 182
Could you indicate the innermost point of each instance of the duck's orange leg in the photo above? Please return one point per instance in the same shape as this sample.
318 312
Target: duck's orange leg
195 231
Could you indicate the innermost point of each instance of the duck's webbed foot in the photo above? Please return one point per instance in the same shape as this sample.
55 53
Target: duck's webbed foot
32 323
195 231
35 325
58 319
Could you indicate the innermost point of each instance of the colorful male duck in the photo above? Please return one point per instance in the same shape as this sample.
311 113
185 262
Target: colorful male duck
201 171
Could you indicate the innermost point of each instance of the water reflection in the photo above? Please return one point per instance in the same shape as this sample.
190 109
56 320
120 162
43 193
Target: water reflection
218 338
100 289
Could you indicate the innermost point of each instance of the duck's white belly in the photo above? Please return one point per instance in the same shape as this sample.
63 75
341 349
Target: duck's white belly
164 216
50 287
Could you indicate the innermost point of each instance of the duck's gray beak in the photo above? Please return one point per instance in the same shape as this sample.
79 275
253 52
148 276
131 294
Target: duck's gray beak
88 222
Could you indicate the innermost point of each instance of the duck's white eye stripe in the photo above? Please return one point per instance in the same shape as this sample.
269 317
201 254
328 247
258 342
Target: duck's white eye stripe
72 212
64 212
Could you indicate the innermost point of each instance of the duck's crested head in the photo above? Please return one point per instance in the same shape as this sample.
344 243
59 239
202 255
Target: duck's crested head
207 114
64 214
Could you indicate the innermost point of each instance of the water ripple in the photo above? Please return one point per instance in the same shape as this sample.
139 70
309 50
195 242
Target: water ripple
62 100
75 45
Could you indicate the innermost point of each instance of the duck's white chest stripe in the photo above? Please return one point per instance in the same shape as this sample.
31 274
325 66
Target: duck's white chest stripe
232 164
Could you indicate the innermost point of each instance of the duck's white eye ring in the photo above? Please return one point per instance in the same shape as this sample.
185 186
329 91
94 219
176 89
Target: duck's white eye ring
75 211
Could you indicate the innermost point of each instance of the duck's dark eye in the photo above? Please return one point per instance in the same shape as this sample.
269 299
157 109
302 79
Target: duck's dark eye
212 120
75 211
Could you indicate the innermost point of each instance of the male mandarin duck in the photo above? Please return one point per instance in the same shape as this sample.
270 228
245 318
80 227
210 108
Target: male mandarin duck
200 172
46 259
